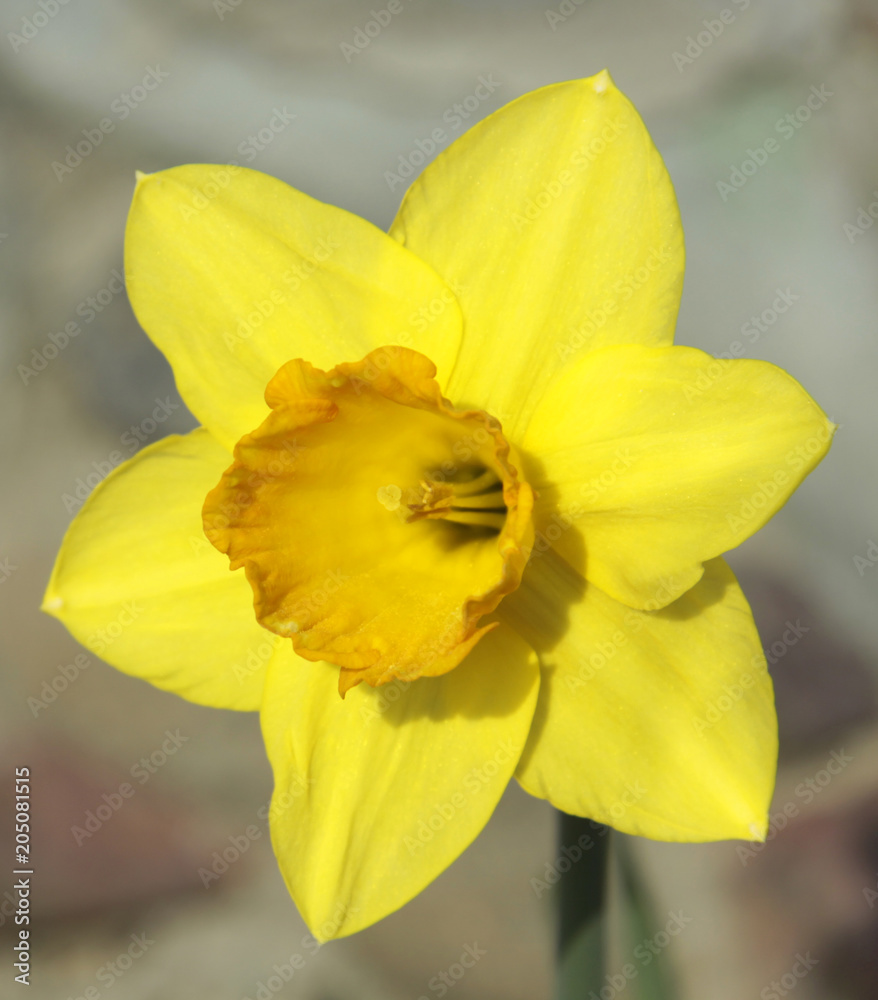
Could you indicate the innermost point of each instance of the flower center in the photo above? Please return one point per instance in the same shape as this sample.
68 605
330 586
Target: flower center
476 500
376 524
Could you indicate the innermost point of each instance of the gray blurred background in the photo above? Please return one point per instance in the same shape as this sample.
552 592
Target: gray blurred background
800 225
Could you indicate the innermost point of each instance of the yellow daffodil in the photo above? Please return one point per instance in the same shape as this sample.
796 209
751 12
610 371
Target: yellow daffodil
473 488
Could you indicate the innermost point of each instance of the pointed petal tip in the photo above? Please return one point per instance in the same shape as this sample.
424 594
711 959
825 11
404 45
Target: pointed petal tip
602 82
52 604
353 829
759 831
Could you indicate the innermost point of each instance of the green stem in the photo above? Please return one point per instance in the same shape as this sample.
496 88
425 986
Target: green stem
582 890
654 979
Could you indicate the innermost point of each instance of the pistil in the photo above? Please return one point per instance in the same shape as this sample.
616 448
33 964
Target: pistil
477 501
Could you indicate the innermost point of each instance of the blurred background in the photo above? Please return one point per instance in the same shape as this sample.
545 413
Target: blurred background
798 914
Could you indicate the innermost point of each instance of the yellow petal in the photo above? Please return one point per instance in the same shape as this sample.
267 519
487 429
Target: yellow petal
375 523
377 794
138 584
555 222
651 460
660 724
232 273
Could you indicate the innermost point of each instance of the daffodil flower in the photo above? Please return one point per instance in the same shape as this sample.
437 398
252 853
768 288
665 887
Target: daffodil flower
472 487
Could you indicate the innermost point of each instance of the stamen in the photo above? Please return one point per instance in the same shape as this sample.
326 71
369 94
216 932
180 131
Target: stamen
486 501
487 480
327 542
477 502
435 501
478 518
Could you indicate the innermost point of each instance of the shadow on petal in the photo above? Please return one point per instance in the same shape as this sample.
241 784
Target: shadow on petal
492 682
